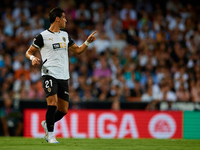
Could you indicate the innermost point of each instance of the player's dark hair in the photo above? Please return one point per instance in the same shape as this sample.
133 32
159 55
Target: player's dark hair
55 12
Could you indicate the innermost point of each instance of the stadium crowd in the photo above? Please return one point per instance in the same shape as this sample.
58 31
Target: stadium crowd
144 51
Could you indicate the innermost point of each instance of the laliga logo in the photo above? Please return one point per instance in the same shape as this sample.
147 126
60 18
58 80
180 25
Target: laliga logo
162 126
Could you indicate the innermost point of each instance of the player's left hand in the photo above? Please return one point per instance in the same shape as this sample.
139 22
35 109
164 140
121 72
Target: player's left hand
91 38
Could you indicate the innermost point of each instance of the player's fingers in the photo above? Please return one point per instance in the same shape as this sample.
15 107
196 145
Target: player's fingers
38 60
94 32
93 38
36 63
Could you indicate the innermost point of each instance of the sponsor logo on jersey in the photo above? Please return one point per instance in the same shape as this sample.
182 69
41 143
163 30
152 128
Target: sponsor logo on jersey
59 46
51 39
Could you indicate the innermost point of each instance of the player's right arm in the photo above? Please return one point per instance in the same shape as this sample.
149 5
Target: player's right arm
37 44
29 55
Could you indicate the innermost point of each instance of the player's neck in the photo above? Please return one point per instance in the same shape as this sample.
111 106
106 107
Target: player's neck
54 28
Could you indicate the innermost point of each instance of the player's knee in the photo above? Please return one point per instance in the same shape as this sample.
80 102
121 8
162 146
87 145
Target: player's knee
52 100
53 103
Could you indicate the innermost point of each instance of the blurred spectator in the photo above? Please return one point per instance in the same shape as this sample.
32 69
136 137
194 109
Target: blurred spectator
113 25
19 63
181 77
182 94
173 5
145 32
83 15
21 85
115 105
132 35
145 4
99 16
128 15
154 86
10 118
166 94
103 70
151 98
131 75
74 76
148 96
147 57
144 22
115 92
35 74
177 23
6 80
87 94
118 44
35 92
162 35
23 71
20 9
83 12
195 90
102 89
9 22
101 44
82 84
159 21
136 93
96 4
37 18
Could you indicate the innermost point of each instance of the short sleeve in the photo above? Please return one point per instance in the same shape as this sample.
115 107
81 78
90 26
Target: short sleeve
38 41
71 42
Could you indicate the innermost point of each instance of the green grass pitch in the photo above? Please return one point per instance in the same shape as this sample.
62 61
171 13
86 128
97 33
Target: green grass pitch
20 143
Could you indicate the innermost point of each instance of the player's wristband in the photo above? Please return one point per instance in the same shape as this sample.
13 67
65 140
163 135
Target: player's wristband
32 57
87 43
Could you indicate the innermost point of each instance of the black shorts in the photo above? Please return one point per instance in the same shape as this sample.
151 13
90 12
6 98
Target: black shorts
54 86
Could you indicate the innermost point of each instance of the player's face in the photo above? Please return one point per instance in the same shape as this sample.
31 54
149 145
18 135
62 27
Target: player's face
63 21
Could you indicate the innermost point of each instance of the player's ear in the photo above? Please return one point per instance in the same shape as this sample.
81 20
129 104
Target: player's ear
57 19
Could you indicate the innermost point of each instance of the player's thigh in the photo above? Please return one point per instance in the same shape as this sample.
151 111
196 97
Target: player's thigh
63 90
50 86
62 105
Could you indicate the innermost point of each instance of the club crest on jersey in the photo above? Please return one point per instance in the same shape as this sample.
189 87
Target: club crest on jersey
49 89
64 39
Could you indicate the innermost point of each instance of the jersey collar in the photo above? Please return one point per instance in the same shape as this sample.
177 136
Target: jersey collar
54 32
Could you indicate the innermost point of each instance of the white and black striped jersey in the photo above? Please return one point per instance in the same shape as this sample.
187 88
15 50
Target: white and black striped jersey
54 52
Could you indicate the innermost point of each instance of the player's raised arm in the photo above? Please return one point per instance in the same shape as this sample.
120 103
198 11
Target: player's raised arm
29 55
79 49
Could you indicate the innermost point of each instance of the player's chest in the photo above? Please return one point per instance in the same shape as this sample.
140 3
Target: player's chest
57 42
